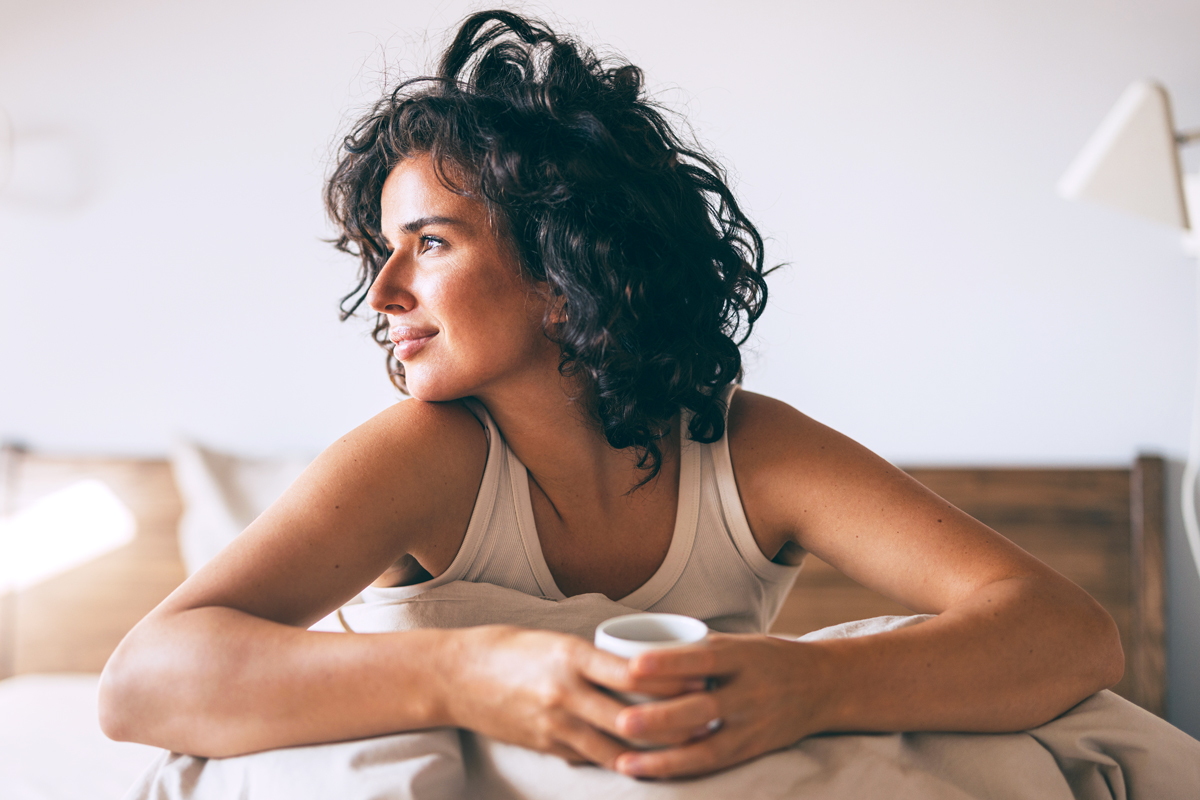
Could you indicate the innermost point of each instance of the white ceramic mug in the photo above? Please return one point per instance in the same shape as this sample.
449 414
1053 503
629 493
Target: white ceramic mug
628 635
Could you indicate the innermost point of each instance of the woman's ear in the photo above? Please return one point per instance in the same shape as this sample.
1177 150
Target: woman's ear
550 305
557 312
555 303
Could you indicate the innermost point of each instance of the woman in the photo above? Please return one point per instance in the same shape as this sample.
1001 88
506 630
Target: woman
562 285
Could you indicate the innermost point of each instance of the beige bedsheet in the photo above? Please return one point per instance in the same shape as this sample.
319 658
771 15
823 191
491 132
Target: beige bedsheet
1103 748
51 745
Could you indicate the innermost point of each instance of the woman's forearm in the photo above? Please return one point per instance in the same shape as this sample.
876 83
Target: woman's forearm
1016 654
218 682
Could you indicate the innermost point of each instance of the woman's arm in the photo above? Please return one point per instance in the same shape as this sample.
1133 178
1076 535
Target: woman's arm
224 665
1014 645
214 681
228 683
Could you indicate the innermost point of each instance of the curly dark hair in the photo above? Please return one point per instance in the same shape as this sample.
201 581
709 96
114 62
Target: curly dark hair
636 234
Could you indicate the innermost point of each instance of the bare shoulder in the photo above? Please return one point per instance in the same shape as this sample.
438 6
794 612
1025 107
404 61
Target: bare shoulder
781 459
403 483
756 419
795 473
769 440
407 477
444 439
805 483
407 462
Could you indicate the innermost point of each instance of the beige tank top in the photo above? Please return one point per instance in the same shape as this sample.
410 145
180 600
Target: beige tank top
714 569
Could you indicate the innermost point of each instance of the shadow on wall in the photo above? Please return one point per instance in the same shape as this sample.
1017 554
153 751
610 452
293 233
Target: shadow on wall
1183 615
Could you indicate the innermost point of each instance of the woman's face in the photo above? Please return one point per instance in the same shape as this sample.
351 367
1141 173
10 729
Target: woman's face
462 318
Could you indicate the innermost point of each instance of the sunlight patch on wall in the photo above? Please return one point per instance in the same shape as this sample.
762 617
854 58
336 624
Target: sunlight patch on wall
60 531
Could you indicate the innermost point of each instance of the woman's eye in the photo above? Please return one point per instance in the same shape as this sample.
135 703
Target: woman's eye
430 243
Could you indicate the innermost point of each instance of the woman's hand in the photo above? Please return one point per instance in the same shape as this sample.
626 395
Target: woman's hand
770 693
541 690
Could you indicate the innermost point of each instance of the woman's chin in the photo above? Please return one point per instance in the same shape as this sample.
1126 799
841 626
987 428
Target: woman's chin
432 392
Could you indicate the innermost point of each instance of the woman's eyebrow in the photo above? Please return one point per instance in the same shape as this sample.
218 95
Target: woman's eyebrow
415 225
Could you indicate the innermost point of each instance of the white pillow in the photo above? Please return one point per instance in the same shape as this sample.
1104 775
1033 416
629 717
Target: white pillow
222 494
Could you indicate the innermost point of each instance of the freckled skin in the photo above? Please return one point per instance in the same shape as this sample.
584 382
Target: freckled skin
454 277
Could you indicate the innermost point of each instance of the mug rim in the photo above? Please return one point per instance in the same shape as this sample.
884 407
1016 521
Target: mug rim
697 630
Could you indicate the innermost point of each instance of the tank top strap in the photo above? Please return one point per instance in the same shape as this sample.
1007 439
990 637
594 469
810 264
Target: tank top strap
481 516
735 514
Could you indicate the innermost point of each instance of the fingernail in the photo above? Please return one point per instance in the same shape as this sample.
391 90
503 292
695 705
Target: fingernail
631 766
633 723
698 685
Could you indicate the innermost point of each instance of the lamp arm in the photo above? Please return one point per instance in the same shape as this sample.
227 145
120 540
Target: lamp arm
1184 138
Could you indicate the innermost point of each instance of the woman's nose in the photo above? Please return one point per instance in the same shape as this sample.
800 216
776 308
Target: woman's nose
389 293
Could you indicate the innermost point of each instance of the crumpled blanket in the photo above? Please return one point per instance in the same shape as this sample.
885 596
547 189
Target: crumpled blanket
1103 748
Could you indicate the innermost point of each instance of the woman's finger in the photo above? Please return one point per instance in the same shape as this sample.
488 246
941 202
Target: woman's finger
673 721
603 711
594 746
613 673
568 754
715 656
602 667
596 707
696 758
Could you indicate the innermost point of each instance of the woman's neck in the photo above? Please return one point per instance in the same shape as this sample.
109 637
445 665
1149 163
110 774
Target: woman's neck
563 447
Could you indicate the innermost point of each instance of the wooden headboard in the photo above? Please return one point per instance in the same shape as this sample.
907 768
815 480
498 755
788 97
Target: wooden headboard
73 621
1102 528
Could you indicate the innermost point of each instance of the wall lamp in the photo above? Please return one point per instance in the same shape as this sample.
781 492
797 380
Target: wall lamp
1132 164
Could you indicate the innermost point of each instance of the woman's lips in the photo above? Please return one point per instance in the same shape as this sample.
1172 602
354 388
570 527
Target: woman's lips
407 342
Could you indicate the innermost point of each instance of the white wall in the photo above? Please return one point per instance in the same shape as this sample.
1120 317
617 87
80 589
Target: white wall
161 266
942 304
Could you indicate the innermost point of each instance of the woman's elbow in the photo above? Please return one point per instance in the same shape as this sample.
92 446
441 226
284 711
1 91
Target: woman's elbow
1110 655
1082 651
126 692
1096 660
114 702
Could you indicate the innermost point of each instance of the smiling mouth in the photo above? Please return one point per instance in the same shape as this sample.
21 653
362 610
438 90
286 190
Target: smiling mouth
406 348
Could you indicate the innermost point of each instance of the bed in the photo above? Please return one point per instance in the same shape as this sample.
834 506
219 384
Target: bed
1102 528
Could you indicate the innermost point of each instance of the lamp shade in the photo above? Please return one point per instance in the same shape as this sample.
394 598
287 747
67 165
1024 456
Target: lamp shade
1131 163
